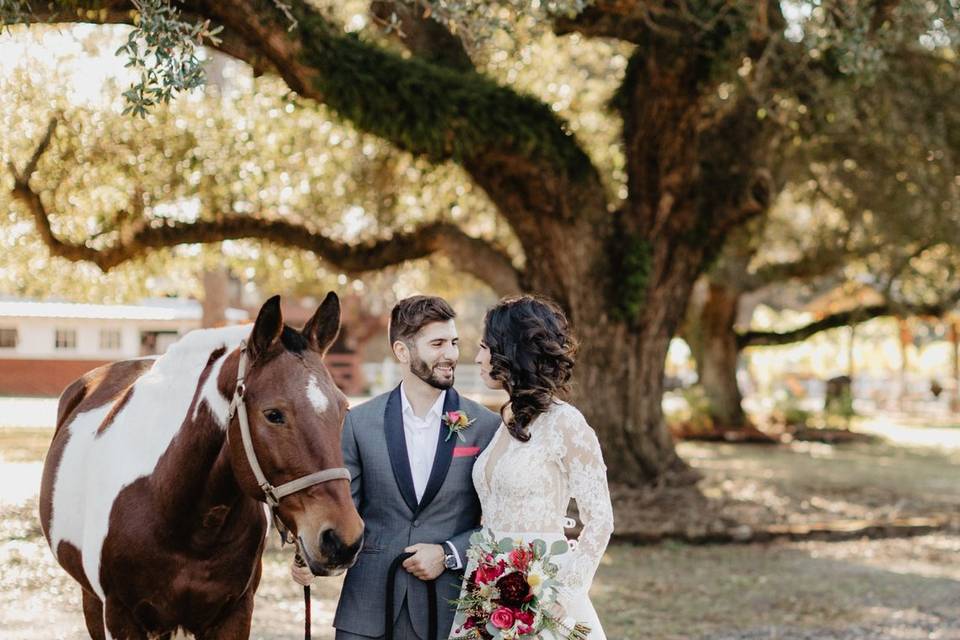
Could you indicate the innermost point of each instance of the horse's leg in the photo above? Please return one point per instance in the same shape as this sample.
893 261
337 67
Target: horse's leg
235 624
93 615
121 623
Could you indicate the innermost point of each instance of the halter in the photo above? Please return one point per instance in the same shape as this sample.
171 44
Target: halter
272 494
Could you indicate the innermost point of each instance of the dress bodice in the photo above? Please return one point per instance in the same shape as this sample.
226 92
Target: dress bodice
527 486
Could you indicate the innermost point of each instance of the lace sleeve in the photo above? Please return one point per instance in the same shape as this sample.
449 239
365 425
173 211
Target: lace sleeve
587 476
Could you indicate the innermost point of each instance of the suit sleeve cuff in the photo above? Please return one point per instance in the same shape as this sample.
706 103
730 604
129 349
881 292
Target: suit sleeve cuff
456 554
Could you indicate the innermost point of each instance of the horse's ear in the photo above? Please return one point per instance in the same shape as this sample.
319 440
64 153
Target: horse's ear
322 329
267 328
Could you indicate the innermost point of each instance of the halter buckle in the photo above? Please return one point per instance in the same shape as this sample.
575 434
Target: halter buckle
269 491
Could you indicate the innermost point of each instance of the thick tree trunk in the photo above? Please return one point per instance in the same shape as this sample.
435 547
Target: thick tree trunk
618 384
619 388
718 356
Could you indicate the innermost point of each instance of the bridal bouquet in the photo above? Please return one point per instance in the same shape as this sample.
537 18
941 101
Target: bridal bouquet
511 592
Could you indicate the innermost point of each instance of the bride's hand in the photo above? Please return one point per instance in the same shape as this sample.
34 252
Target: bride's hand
557 611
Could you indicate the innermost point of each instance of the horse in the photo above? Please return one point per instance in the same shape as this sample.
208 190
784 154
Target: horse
154 487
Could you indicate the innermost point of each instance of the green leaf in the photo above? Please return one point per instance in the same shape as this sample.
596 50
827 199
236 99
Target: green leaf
539 548
559 548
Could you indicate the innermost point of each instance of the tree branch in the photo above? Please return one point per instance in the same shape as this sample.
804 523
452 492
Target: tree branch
630 21
514 146
422 35
476 256
844 319
804 268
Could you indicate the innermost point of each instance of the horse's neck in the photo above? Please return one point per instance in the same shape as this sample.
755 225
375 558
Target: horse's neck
195 476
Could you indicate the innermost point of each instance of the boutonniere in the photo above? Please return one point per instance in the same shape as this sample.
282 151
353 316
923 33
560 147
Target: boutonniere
457 422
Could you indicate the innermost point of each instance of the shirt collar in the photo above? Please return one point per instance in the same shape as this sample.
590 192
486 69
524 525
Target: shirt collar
433 415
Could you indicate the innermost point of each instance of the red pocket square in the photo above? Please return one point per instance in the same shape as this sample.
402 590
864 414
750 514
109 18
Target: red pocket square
463 452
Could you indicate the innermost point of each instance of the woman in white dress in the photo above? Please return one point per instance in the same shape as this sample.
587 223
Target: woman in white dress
544 452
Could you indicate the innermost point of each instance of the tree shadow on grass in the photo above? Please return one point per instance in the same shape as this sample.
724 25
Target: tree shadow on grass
790 590
747 489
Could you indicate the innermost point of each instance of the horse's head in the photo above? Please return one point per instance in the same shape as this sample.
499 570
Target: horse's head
296 413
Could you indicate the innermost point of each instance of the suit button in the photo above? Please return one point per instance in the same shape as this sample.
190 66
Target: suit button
416 523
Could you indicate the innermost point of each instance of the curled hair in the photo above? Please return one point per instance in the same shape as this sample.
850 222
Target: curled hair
531 355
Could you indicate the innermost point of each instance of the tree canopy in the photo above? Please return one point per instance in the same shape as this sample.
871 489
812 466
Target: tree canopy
712 93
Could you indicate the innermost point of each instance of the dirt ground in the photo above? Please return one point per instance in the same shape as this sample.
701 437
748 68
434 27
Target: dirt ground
899 588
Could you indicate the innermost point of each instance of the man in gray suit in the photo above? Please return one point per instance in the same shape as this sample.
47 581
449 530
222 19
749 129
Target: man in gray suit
412 481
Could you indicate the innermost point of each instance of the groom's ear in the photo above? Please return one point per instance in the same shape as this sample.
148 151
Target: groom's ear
401 351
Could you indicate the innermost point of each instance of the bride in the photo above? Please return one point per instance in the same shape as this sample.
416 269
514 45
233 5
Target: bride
544 452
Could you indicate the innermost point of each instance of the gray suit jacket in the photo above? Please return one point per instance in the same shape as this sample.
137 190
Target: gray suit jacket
375 452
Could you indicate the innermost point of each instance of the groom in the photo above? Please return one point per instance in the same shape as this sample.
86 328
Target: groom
412 481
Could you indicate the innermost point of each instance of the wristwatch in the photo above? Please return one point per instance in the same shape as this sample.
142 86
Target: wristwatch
450 561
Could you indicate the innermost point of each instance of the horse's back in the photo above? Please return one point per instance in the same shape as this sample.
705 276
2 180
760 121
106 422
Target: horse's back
98 387
95 393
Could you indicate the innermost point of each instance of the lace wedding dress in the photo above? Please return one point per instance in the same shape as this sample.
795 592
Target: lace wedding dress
525 489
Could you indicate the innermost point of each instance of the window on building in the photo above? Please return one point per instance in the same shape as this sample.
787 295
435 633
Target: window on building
110 339
156 342
66 339
8 338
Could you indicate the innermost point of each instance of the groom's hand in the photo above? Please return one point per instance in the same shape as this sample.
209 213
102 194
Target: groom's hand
427 561
301 574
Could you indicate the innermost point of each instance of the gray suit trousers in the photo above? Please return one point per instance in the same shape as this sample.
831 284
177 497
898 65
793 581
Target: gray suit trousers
403 630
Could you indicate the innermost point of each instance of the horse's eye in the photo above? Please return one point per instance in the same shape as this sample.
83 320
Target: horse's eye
274 415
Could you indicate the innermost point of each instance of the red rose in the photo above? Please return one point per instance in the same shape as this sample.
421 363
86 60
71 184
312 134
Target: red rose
502 618
526 617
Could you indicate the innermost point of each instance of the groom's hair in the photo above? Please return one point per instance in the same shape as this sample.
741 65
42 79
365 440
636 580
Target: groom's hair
414 313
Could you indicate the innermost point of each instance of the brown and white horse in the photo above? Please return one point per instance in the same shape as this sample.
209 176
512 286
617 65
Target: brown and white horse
149 501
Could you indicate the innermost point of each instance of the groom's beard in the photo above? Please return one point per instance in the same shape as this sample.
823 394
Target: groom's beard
429 374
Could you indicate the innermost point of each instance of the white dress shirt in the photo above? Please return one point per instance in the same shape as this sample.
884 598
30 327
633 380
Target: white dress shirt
421 435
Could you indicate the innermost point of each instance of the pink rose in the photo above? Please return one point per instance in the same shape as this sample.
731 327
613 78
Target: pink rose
502 618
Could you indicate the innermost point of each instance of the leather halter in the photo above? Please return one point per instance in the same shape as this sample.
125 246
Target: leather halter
272 494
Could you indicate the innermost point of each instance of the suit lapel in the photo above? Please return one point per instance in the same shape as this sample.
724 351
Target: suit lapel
397 448
441 462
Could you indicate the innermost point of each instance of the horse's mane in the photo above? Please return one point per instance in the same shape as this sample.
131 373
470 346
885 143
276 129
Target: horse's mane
191 352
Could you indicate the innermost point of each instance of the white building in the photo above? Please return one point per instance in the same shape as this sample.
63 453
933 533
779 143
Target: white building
45 345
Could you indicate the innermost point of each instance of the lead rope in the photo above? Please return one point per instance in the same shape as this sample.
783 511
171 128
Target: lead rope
287 538
431 600
306 600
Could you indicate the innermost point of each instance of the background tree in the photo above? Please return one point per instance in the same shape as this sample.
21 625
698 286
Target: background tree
872 201
703 101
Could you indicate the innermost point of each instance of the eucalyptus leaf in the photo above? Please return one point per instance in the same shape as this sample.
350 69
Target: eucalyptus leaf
559 548
539 548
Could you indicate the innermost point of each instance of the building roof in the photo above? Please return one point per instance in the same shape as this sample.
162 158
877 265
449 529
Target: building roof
158 309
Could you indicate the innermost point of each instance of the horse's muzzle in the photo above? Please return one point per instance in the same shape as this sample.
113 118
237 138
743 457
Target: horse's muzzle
336 556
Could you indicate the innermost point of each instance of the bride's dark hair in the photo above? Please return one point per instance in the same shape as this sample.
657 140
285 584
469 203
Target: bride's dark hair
531 355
